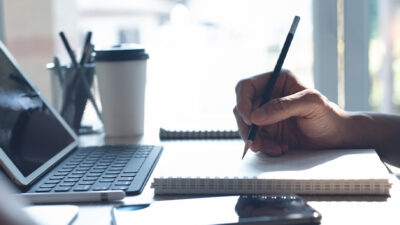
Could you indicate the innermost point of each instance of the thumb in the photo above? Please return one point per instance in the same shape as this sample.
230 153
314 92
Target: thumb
300 104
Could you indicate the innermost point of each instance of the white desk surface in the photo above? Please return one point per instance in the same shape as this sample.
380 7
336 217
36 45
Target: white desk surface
334 209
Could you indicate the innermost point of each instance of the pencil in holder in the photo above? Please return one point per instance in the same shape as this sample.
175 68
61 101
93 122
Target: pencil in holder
71 89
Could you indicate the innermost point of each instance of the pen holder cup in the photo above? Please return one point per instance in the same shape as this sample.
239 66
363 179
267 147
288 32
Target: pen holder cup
71 87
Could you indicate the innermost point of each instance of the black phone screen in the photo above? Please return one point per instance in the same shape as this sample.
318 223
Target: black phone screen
246 209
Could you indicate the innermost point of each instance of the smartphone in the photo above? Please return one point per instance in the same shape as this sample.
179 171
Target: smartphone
245 209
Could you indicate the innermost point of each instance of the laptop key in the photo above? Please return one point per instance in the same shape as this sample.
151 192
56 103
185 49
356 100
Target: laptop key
43 190
112 172
123 161
65 170
78 172
52 182
63 173
86 182
103 164
72 179
69 166
118 165
93 174
123 188
75 176
47 185
128 174
67 184
56 177
141 155
101 187
106 180
62 189
96 170
82 187
125 179
123 183
110 176
100 167
105 161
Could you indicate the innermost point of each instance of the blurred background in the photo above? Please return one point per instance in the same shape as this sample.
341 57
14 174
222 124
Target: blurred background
200 49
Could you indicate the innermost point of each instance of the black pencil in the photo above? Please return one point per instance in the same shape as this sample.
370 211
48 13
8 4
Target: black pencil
69 50
86 48
272 81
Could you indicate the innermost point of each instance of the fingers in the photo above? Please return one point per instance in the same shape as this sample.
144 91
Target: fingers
243 127
264 144
272 148
300 104
246 92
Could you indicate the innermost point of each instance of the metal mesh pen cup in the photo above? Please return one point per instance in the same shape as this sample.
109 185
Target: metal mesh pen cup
70 90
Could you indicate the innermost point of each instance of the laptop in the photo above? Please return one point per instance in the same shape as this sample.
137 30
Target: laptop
40 152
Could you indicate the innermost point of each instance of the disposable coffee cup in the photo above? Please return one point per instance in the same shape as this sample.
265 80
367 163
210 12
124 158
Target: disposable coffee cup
121 72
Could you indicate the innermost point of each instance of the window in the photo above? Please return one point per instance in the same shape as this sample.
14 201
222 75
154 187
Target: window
384 56
200 49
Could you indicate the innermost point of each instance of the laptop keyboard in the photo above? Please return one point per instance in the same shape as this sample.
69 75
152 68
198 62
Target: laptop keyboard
102 168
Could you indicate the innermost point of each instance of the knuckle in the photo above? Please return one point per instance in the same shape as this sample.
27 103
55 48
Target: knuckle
241 84
241 106
314 97
278 105
235 110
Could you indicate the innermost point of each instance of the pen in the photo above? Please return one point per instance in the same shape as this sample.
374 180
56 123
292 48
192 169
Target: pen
89 54
69 50
95 196
57 68
90 96
272 81
87 57
86 48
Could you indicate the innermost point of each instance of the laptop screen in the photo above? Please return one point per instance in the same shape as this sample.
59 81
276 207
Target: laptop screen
32 135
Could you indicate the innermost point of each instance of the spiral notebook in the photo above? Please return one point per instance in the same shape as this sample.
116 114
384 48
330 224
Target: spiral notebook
198 134
200 127
343 172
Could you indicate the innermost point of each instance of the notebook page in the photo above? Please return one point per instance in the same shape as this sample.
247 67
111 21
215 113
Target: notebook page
295 164
324 164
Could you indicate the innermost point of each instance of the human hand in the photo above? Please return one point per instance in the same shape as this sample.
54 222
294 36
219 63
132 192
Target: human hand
295 118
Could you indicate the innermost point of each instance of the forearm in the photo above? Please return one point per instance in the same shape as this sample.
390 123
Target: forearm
375 130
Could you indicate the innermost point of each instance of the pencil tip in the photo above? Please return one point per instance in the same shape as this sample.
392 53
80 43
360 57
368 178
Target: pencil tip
246 147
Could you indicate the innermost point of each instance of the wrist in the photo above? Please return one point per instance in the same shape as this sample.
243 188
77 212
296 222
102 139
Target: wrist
378 131
358 131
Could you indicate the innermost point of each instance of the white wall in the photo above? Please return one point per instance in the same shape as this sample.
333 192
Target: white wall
29 37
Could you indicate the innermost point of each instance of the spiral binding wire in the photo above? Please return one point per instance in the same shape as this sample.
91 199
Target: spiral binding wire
198 134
